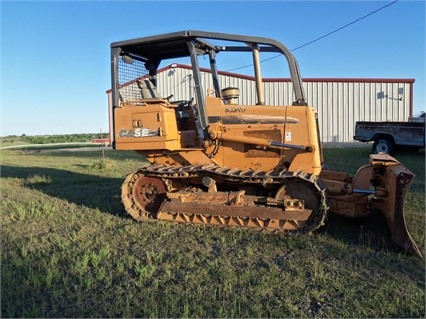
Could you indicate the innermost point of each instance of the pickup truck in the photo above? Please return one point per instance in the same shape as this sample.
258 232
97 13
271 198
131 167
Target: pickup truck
388 137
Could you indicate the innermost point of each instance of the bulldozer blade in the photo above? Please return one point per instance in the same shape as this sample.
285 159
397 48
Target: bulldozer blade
397 179
396 218
380 186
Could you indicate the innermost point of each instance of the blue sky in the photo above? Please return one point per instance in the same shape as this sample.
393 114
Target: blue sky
55 58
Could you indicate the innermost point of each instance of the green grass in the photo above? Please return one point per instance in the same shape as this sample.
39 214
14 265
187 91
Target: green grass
69 250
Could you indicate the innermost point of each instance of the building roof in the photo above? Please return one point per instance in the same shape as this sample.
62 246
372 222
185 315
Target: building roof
248 77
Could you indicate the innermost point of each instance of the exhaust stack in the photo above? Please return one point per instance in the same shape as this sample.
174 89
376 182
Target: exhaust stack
258 76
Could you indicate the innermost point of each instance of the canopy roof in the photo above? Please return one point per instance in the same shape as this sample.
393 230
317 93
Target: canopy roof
174 45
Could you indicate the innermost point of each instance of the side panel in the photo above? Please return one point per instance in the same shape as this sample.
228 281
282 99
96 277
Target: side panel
295 125
151 127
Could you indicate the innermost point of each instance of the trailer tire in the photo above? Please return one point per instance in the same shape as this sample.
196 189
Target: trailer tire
383 145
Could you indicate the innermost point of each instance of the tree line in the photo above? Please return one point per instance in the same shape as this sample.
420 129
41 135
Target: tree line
48 139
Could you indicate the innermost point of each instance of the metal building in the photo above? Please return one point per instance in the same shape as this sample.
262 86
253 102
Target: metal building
339 102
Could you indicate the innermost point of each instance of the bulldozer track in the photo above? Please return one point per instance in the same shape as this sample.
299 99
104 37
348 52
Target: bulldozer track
159 180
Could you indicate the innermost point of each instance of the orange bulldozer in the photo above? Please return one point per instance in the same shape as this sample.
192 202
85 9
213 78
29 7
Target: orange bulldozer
217 162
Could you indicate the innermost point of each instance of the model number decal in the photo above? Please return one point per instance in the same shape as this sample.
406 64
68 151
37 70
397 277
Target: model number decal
139 132
235 110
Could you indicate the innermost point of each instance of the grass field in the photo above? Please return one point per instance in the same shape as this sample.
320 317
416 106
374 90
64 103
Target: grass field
69 250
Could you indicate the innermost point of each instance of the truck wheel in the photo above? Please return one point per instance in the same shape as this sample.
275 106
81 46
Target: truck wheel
383 146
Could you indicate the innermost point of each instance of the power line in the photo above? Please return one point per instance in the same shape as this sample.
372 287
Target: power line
325 35
345 26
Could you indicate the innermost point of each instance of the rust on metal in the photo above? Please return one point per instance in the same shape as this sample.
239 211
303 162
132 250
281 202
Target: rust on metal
285 211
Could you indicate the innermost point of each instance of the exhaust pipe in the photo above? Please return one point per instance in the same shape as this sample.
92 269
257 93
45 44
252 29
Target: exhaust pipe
258 75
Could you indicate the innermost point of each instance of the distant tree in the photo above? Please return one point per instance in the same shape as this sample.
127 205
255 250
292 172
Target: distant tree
64 138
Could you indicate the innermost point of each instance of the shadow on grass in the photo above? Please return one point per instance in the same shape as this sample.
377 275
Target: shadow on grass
371 231
92 191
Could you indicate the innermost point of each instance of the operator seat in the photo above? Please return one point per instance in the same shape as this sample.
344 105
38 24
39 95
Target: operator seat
148 90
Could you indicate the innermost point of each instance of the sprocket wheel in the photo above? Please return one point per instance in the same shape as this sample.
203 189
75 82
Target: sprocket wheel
143 195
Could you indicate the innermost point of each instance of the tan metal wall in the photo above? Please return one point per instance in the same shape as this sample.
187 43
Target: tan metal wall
339 102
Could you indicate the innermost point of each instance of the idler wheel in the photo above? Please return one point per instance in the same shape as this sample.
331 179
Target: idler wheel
149 193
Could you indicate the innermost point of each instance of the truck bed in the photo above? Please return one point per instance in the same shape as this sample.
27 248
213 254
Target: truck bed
411 134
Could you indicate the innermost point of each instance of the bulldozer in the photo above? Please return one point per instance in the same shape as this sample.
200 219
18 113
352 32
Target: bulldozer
215 161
